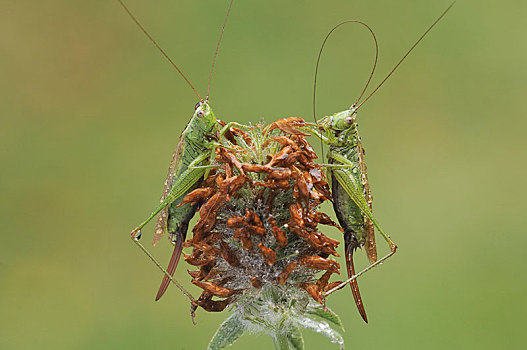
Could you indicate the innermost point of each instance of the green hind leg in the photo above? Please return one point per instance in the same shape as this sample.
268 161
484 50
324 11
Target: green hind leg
352 189
172 279
180 187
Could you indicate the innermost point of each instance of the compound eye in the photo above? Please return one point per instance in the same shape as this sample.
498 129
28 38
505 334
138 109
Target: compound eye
197 105
349 120
200 113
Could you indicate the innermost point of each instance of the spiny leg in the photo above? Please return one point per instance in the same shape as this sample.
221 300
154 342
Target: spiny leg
167 275
215 145
317 133
182 184
210 166
238 125
366 269
345 166
352 189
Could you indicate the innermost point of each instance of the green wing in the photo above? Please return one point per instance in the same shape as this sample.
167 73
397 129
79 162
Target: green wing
162 219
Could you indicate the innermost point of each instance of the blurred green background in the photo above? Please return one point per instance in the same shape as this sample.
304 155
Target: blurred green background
91 113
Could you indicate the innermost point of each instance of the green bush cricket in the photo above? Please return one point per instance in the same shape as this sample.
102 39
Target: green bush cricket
350 187
189 166
352 200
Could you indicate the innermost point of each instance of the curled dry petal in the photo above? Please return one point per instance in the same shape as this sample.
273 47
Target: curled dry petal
320 263
268 254
214 289
229 255
278 234
288 126
313 291
284 275
256 282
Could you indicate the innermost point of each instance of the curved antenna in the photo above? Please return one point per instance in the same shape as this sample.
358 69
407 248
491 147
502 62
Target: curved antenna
158 47
318 62
406 55
217 48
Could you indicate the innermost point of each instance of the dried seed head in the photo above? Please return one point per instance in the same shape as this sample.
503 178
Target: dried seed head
258 221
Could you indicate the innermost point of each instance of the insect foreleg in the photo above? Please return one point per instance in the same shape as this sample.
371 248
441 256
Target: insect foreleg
345 166
210 166
215 145
340 158
238 125
317 133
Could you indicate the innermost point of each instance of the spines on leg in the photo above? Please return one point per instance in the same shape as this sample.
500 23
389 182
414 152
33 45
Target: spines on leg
178 247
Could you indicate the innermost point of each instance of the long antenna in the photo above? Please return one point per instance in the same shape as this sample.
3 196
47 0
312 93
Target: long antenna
406 55
158 47
318 62
218 47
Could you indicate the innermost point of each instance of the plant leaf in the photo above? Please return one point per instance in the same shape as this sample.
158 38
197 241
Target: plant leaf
295 339
228 332
280 341
326 314
323 328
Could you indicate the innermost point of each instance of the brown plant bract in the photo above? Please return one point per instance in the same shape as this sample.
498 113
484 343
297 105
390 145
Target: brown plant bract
258 222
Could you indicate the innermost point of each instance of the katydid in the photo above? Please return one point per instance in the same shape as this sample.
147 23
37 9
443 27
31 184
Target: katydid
352 200
189 166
